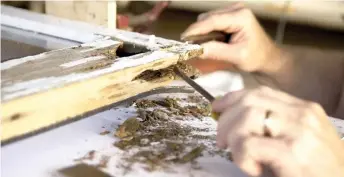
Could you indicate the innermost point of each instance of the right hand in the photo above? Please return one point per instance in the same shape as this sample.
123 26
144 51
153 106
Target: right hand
250 49
302 141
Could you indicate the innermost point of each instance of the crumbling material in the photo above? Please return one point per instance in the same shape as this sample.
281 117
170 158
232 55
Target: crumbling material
159 141
151 75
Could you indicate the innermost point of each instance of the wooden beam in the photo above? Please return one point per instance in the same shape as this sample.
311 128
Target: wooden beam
52 87
95 12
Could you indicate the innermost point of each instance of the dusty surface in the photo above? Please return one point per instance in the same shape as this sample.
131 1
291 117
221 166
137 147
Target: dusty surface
92 140
161 136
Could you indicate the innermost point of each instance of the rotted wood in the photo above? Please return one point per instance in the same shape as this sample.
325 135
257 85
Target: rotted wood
53 87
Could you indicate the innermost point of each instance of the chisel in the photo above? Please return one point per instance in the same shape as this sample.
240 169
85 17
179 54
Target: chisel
199 39
212 36
198 88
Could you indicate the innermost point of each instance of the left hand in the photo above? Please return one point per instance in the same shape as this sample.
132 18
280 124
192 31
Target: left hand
250 49
302 141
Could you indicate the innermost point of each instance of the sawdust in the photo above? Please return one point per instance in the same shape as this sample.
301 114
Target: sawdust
195 99
104 132
155 139
150 75
103 163
188 70
89 156
201 109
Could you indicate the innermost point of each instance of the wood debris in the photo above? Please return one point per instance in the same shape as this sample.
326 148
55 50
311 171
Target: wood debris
150 75
89 156
156 137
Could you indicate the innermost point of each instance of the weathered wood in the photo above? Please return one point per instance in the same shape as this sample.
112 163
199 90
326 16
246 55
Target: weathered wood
42 90
94 12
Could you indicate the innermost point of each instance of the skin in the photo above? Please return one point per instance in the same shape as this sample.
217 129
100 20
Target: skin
303 142
283 67
301 87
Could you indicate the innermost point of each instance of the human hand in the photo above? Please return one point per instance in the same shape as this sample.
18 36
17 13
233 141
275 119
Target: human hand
302 140
249 49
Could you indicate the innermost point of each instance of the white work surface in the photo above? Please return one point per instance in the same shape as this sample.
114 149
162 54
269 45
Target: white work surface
44 154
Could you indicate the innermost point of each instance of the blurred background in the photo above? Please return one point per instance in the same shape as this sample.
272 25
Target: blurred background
315 23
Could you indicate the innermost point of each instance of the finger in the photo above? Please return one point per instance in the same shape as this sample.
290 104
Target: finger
225 123
239 121
281 126
235 6
242 158
221 104
247 98
268 152
209 66
254 96
232 53
281 122
228 22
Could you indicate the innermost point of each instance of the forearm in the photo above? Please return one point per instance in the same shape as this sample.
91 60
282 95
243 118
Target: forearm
309 73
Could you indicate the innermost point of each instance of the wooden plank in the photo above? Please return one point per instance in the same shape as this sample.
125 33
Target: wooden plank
75 30
42 90
95 12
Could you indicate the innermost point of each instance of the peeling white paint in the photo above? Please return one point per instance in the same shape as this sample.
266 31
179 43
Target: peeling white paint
81 32
54 30
100 44
151 40
75 30
37 85
81 61
139 39
10 63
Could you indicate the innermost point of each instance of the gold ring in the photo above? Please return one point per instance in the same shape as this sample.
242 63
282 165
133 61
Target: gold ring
265 124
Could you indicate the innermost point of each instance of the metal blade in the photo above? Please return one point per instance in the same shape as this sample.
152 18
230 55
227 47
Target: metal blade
193 84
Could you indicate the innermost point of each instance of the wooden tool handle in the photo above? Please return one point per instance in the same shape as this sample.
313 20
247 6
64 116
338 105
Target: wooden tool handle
208 66
212 36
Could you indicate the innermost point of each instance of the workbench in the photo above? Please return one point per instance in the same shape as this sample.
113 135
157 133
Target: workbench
43 155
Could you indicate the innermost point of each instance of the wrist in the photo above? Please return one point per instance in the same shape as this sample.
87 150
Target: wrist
279 59
278 68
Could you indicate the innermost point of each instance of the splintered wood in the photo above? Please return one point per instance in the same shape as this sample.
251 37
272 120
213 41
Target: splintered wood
43 90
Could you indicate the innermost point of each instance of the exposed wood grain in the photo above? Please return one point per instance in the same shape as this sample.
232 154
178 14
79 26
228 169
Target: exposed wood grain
39 91
79 31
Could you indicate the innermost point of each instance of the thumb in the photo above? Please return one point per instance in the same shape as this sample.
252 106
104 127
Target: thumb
232 53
